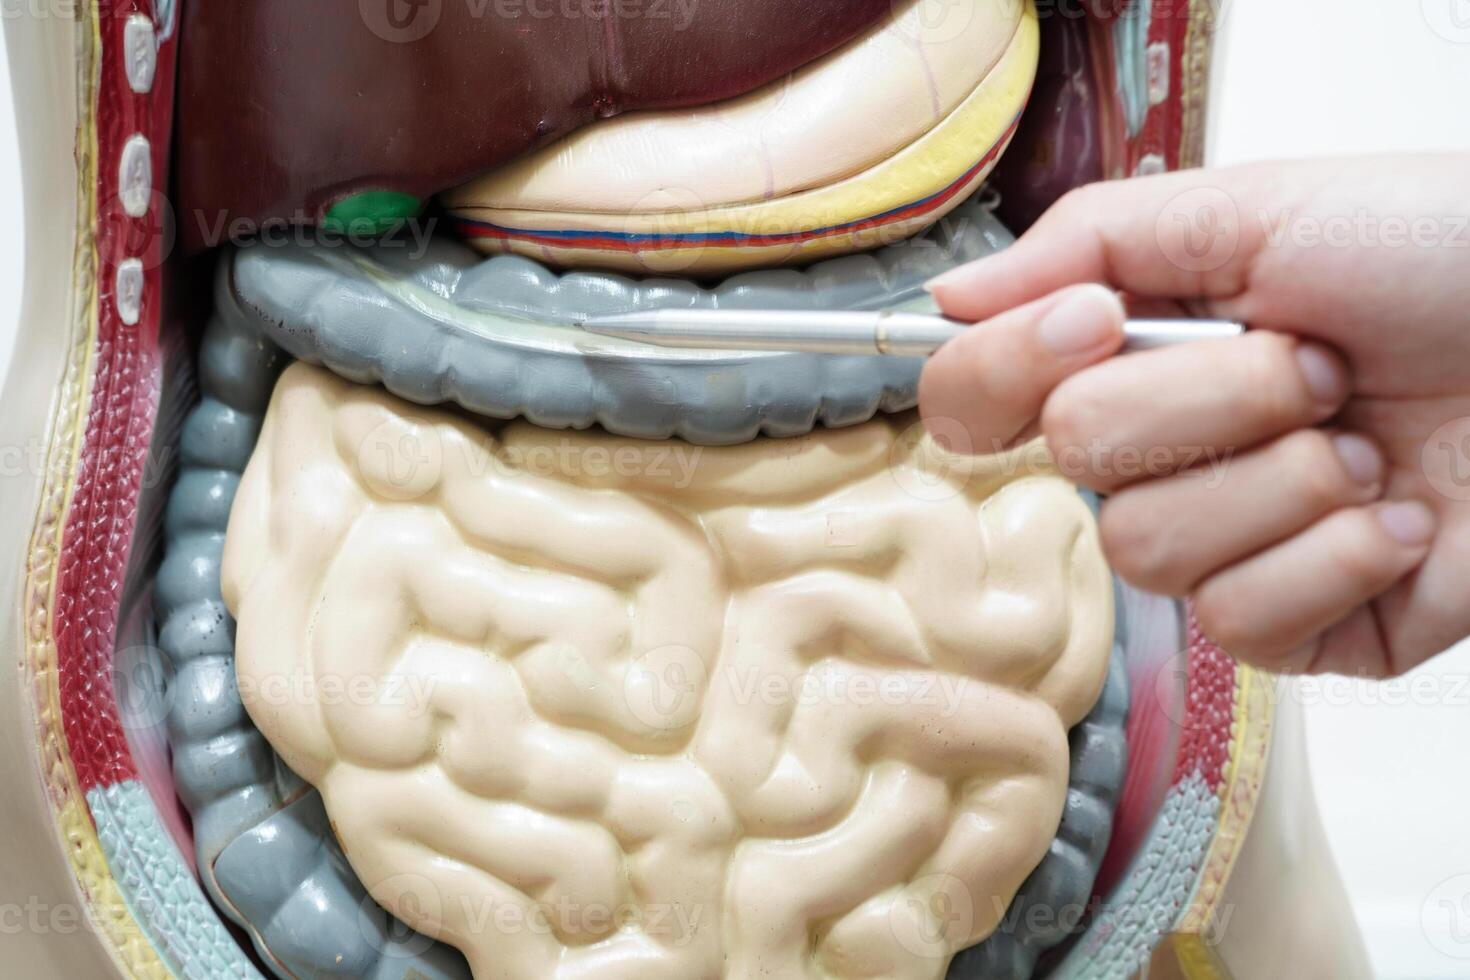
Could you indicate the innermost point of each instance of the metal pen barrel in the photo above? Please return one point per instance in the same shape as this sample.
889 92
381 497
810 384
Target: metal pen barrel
901 334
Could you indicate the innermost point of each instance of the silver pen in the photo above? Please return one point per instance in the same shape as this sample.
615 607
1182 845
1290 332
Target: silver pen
848 332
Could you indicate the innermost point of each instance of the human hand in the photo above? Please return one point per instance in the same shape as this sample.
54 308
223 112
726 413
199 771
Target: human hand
1308 484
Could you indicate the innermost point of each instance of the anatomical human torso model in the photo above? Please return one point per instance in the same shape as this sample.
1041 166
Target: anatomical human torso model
375 621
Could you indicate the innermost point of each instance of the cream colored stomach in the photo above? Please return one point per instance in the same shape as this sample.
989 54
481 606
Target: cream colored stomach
833 119
588 707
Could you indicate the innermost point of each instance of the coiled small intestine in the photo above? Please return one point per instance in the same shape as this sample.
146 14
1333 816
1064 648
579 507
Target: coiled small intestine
796 708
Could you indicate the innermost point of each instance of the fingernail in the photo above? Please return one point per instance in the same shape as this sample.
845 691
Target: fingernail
1411 524
1082 322
1361 459
1324 373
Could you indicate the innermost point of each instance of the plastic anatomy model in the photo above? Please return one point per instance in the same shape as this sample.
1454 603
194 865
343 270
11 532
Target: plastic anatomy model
370 620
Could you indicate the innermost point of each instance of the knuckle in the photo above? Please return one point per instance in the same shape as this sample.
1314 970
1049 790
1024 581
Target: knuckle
1313 471
935 383
1269 374
1076 215
972 385
1003 385
945 386
1223 618
1137 547
1072 416
1358 555
1077 201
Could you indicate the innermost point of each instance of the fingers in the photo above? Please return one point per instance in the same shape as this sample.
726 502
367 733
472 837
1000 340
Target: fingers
1272 608
1355 646
978 392
1168 535
1173 236
1155 412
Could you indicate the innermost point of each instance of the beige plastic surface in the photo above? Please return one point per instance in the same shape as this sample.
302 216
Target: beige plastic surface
594 707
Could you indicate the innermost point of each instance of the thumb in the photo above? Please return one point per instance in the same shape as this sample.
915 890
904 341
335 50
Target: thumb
982 389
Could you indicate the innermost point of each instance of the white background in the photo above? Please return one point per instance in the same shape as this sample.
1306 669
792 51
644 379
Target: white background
1293 78
1391 769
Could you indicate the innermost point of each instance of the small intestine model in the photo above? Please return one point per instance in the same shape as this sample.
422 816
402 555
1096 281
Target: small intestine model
793 710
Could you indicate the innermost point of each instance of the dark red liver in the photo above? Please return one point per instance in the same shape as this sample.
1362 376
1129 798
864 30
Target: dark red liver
286 106
1058 145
